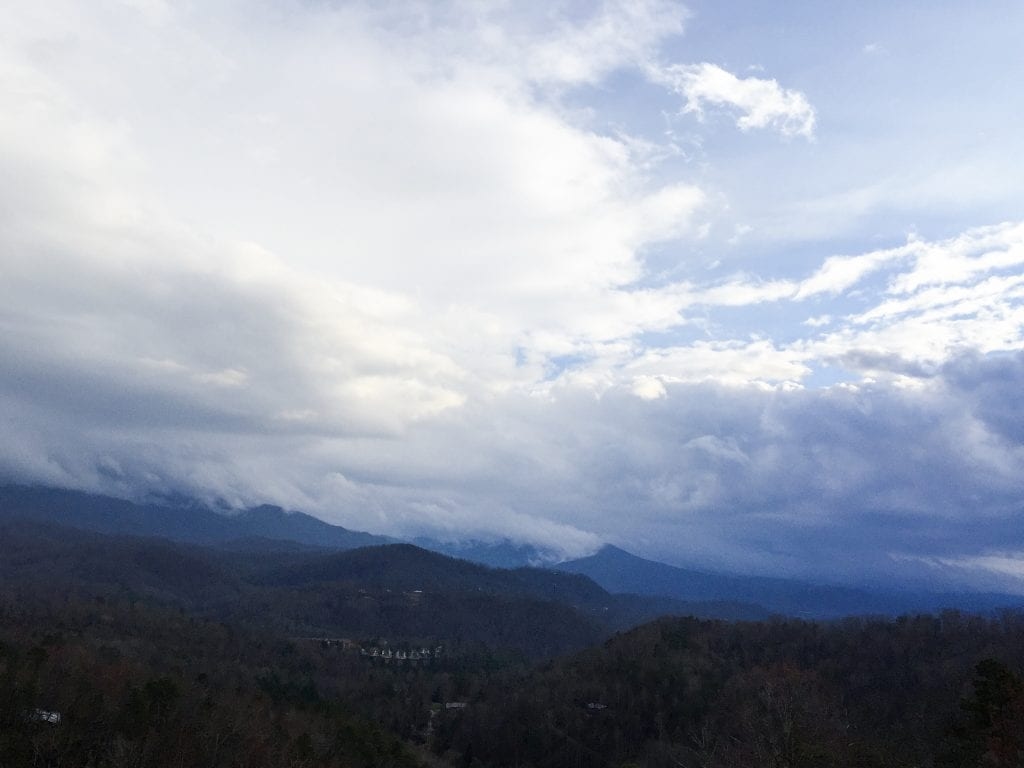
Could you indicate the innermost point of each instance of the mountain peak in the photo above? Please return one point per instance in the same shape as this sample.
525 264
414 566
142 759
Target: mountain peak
263 511
610 550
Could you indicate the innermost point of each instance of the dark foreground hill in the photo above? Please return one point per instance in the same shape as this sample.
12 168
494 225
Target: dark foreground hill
408 567
422 575
398 592
937 691
275 591
118 683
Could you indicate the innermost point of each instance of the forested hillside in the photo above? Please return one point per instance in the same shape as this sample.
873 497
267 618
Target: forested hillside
125 651
919 691
116 683
395 590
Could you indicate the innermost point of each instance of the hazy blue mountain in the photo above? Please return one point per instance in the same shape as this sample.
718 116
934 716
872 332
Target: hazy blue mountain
179 522
619 571
665 589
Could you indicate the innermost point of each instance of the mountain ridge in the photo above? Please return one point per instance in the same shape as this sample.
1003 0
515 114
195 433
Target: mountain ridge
617 571
270 529
187 523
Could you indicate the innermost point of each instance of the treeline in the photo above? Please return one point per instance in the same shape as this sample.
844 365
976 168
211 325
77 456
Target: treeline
139 653
100 683
919 691
124 683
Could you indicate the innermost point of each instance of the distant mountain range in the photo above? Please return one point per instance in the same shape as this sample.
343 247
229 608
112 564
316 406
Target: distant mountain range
619 571
663 588
185 522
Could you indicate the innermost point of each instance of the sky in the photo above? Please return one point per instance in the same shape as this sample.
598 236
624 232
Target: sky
735 285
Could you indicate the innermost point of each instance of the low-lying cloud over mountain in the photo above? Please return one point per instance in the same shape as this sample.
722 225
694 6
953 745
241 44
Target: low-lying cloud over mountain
571 276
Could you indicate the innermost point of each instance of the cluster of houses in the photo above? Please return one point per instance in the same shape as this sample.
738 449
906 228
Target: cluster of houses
43 716
382 651
336 642
400 656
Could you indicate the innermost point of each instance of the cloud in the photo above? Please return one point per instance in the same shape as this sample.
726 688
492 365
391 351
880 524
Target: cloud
839 273
1001 563
456 193
728 362
226 239
762 103
962 259
617 34
260 257
648 388
911 308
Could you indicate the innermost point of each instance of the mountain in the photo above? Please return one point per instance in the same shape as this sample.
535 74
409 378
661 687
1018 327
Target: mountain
254 538
619 571
392 591
497 554
182 522
297 594
412 570
408 567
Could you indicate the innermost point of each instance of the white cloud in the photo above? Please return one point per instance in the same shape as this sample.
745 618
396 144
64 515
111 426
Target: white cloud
840 273
455 190
964 258
726 362
648 388
744 292
762 103
932 300
997 566
819 321
617 34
